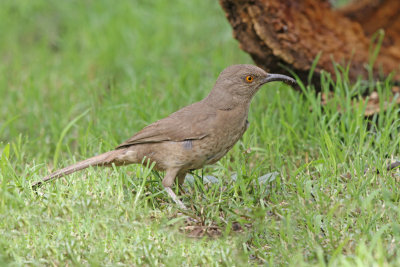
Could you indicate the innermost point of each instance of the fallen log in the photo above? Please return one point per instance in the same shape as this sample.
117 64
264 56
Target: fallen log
290 34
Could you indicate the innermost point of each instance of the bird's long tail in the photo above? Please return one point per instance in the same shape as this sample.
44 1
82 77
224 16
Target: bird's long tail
105 159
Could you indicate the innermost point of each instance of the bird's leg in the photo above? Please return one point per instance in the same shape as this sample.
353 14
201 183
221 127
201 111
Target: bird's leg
167 182
181 180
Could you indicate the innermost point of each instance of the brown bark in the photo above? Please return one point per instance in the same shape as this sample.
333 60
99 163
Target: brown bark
373 15
291 33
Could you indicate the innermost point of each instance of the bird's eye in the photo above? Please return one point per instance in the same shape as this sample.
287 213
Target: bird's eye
249 79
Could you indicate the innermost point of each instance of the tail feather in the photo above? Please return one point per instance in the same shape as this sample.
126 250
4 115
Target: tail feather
105 159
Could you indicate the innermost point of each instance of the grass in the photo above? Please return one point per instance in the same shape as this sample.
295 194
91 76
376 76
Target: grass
79 77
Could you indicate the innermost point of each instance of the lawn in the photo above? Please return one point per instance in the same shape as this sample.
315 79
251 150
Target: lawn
79 77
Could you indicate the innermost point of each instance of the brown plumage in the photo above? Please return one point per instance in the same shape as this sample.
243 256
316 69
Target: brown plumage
193 136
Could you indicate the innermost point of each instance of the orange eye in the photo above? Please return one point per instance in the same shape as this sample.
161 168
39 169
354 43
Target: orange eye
249 79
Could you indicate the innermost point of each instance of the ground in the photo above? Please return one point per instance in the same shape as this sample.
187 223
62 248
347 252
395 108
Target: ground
79 77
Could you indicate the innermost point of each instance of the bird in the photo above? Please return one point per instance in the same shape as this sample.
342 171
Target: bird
194 136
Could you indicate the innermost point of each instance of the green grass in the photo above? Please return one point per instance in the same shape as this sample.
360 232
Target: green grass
79 77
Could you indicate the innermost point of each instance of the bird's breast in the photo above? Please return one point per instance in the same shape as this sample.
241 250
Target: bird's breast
224 139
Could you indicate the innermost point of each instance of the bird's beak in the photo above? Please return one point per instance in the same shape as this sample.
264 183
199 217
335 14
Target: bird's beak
279 77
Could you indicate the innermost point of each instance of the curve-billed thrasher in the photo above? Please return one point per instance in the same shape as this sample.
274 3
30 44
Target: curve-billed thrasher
193 136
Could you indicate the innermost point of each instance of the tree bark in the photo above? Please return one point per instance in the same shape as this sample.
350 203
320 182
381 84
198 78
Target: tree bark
281 34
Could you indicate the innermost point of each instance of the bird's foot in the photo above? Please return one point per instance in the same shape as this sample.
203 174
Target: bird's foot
175 198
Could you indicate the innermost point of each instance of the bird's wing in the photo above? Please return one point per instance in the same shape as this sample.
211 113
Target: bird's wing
188 123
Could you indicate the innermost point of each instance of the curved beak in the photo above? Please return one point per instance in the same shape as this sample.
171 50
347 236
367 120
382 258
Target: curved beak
279 77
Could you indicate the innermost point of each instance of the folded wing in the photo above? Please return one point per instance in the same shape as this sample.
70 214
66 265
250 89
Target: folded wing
188 123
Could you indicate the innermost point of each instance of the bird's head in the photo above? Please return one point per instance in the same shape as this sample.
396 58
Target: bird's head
239 83
245 80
